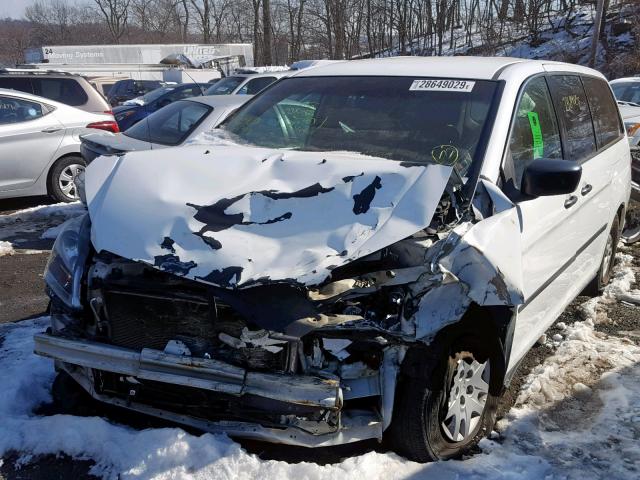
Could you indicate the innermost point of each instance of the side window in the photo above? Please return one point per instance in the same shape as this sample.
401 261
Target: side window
256 85
572 107
603 110
20 84
535 132
16 110
63 90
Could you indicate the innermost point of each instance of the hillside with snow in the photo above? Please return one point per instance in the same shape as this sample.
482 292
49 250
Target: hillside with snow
564 38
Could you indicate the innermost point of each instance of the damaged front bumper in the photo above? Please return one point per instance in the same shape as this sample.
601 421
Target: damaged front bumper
82 358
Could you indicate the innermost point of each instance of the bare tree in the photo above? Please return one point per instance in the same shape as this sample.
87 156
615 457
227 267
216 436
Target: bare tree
295 12
53 20
267 43
116 15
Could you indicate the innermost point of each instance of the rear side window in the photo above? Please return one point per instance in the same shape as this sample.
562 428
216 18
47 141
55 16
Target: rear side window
63 90
17 110
573 110
20 84
604 110
535 133
170 125
225 86
256 85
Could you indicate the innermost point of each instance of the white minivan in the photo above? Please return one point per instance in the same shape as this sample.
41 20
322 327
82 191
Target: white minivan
366 249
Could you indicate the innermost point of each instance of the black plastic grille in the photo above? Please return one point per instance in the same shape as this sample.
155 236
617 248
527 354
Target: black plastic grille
140 321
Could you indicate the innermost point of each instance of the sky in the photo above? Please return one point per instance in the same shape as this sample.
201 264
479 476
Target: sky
16 8
13 8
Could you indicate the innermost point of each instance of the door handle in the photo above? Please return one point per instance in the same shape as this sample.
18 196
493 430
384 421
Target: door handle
51 130
570 202
586 189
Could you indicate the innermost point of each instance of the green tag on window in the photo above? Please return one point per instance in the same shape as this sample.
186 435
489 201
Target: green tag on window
536 133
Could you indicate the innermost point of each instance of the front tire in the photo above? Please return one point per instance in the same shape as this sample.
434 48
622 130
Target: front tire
62 176
446 415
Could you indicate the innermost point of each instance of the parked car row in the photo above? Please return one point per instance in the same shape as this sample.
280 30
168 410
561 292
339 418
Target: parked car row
351 255
45 128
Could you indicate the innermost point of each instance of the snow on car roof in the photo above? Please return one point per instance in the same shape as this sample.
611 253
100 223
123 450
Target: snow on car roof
481 68
450 67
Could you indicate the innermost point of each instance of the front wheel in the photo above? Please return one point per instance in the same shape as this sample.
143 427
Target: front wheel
446 415
62 178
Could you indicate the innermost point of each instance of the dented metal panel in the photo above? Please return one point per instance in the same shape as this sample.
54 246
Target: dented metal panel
195 372
237 215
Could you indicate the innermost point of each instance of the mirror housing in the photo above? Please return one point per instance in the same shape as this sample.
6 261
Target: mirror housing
545 177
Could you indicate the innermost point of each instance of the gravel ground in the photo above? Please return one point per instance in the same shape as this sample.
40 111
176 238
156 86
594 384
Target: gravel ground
21 297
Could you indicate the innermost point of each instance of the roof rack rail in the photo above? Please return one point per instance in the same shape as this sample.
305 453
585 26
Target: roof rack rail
34 71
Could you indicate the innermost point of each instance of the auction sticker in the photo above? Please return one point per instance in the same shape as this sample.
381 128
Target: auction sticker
442 85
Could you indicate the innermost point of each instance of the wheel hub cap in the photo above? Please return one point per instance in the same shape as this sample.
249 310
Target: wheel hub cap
467 399
67 180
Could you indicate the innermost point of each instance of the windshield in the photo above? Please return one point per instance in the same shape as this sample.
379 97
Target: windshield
627 92
226 86
170 125
399 118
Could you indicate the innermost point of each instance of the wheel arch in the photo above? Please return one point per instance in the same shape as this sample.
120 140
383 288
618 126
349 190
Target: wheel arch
621 212
54 163
491 327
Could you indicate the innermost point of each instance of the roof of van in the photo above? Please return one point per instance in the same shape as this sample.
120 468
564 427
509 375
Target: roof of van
483 68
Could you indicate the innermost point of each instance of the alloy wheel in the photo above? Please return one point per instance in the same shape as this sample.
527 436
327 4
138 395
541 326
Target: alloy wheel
67 180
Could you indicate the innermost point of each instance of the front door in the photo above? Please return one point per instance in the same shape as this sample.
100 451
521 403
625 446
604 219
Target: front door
29 138
551 230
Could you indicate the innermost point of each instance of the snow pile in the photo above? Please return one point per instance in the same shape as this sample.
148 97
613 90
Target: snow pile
580 409
6 248
61 210
572 422
32 221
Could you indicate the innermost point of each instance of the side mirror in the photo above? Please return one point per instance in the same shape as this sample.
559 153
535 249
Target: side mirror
546 177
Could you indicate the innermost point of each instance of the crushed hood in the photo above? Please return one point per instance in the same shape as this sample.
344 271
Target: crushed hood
238 215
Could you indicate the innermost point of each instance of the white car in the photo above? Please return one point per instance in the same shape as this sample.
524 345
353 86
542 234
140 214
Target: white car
170 126
40 145
627 92
366 249
245 83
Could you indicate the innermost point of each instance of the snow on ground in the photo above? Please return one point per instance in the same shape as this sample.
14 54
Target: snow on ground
32 221
62 210
6 248
577 417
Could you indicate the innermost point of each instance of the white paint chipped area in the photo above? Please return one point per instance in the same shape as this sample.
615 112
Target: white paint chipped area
577 417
